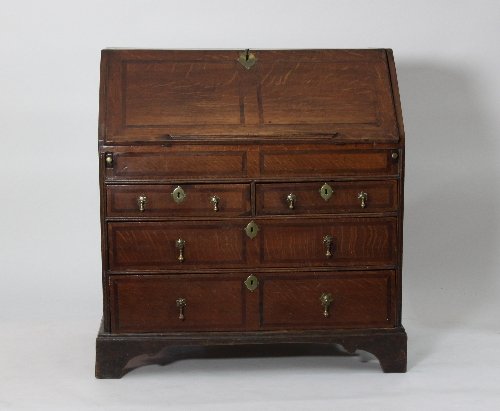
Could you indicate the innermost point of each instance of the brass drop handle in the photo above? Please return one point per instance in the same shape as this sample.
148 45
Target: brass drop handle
181 304
363 197
141 202
180 244
327 241
326 299
290 199
214 200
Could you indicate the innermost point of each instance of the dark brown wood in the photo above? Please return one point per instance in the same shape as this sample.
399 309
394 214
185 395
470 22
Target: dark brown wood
271 198
118 354
296 120
233 200
151 94
146 246
360 299
148 303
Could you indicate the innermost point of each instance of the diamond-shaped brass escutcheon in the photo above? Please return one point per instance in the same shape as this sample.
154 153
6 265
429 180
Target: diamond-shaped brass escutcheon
252 282
247 59
179 195
252 229
326 191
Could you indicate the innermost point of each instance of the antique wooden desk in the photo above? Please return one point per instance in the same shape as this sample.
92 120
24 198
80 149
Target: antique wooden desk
249 198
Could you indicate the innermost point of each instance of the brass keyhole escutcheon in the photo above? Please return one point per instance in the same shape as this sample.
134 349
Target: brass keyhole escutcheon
247 59
179 195
251 229
326 191
326 299
252 282
291 199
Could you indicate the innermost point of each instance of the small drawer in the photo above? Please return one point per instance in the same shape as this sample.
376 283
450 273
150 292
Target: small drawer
161 303
328 242
326 197
355 299
140 246
178 200
175 163
328 162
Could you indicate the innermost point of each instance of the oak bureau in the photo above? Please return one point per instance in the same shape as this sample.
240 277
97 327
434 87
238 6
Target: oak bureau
249 198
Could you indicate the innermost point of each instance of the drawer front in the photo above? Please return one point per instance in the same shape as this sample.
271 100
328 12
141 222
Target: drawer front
326 162
155 246
177 164
352 242
155 303
329 197
339 300
169 200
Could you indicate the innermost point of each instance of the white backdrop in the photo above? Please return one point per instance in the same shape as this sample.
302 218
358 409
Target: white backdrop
448 58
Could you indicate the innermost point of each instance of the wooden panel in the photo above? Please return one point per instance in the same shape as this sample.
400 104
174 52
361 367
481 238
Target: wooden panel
152 245
356 242
234 200
152 94
326 162
360 299
161 164
272 197
169 93
148 303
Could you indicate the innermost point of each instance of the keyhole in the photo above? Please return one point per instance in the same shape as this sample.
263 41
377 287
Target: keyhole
251 229
251 283
326 191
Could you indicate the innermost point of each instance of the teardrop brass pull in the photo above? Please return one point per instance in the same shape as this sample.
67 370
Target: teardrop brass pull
214 200
364 198
290 199
327 241
141 202
326 299
181 304
180 244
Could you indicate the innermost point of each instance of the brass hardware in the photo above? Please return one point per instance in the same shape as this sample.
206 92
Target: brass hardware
326 299
181 304
363 197
251 229
180 244
109 159
290 198
327 241
215 202
179 195
141 202
395 155
326 191
252 282
247 59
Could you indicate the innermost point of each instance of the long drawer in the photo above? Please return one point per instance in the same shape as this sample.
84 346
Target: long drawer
223 302
286 242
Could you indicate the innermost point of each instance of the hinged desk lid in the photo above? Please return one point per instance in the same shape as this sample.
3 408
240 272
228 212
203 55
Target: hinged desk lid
156 95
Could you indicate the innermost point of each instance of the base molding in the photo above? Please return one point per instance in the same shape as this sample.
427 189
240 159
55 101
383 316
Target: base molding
117 354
